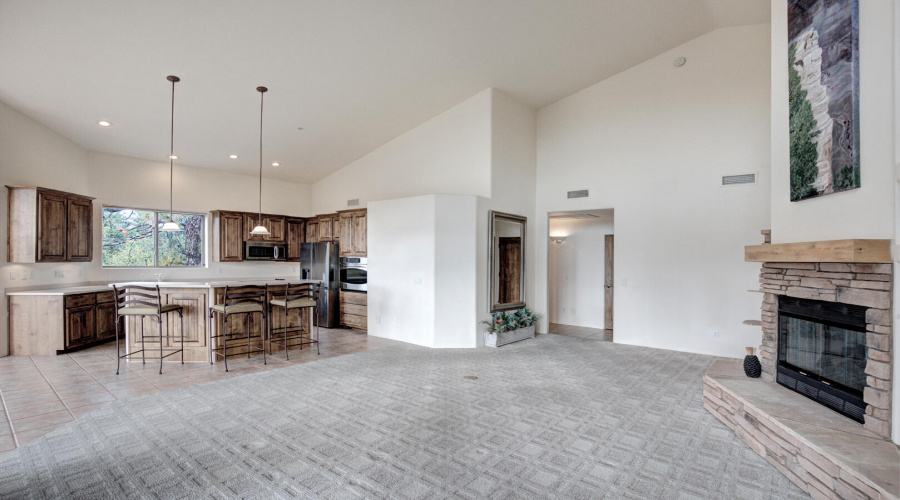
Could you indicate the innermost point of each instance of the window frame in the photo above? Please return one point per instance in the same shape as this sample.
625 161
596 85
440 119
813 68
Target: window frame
156 212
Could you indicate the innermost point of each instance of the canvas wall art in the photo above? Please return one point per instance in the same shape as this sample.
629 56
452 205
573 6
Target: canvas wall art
823 69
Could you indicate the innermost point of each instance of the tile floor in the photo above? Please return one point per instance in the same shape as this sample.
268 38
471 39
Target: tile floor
581 332
40 393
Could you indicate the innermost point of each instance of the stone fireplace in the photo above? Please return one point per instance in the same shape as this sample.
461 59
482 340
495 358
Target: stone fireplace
826 345
867 285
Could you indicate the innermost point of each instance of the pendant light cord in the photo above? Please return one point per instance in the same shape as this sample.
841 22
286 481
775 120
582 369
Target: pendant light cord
171 154
262 94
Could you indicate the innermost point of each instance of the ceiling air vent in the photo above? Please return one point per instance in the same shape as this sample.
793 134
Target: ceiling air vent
352 203
734 180
583 193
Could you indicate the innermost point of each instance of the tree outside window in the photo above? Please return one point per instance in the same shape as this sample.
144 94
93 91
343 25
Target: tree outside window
131 238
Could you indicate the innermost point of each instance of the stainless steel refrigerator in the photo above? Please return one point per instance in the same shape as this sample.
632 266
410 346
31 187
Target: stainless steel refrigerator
322 262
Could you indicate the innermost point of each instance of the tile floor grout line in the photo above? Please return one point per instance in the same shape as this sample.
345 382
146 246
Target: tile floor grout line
93 377
9 420
51 387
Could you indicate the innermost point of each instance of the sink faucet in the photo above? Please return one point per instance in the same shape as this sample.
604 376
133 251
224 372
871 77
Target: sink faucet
159 277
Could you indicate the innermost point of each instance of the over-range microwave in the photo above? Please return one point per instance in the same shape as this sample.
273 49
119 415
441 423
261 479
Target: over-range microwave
264 250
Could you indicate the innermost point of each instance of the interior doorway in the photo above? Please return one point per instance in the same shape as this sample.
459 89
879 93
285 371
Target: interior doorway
580 273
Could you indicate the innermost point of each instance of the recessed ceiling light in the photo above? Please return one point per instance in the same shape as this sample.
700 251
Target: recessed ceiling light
276 164
233 157
104 123
173 157
299 128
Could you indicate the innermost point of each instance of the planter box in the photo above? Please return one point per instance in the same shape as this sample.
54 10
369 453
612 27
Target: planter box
499 339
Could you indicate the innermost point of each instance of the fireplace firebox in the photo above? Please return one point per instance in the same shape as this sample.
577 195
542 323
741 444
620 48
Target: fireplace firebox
822 353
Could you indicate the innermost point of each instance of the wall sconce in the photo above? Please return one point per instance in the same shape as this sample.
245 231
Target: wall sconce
558 239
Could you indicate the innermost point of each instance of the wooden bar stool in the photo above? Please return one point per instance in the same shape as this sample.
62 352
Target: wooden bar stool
146 301
239 300
296 296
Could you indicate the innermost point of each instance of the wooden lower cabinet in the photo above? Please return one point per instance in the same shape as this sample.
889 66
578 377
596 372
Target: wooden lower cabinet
238 324
196 309
106 321
81 326
354 313
42 325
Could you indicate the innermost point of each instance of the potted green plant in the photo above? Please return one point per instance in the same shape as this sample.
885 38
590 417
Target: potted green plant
505 327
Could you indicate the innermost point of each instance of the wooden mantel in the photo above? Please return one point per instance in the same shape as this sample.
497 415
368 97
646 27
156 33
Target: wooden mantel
853 251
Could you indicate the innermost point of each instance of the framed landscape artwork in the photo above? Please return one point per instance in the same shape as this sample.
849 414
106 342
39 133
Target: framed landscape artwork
823 69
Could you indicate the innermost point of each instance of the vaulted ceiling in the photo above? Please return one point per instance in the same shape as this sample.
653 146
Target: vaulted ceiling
352 74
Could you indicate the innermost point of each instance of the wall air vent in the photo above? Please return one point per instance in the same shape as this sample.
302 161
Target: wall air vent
583 193
574 216
734 180
352 203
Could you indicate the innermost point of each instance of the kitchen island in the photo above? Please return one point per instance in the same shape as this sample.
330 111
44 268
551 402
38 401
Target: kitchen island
55 320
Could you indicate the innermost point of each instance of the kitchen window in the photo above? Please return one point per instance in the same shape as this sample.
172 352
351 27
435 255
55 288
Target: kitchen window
131 238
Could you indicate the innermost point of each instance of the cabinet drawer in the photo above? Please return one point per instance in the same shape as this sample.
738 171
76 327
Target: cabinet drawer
356 309
87 299
104 297
353 321
353 298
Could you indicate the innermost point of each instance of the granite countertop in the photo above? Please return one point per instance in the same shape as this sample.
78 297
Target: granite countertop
190 283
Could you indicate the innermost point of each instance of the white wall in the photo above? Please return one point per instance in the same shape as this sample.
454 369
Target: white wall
401 253
867 212
872 210
421 253
449 154
513 188
483 147
33 155
131 182
895 426
653 142
456 252
577 270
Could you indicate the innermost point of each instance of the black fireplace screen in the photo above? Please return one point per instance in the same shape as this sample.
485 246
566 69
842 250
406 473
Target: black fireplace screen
822 352
835 355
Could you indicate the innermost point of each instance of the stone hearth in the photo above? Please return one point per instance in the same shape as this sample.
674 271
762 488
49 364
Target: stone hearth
867 285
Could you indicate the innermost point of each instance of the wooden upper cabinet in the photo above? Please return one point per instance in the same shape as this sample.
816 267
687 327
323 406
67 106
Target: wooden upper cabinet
275 225
346 240
52 227
353 233
360 227
312 231
228 236
45 225
251 221
329 227
294 238
79 246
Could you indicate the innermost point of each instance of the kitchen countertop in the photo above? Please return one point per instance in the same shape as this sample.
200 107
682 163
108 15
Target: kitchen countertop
194 283
62 290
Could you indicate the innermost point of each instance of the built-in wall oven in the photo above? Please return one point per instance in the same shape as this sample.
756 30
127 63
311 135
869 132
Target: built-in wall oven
354 273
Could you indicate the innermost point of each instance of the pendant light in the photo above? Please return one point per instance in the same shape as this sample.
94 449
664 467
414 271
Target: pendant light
260 230
172 226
